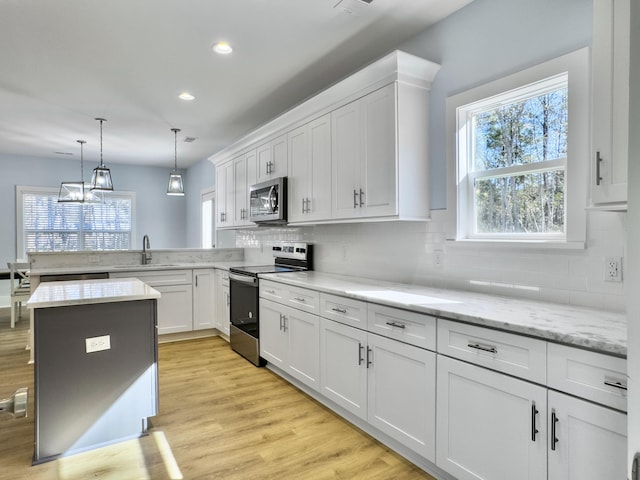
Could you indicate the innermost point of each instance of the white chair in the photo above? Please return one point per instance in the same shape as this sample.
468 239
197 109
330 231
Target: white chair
20 288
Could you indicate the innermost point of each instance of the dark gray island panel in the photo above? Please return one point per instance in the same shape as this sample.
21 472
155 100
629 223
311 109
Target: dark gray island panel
84 399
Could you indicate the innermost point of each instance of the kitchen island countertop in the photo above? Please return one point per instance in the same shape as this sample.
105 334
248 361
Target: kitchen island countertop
599 330
84 292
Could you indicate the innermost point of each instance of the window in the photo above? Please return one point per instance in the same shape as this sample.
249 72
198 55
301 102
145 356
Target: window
207 219
521 153
44 225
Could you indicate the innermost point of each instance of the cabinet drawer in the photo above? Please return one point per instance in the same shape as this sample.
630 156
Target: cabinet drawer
409 327
344 310
303 299
516 355
276 292
595 376
158 278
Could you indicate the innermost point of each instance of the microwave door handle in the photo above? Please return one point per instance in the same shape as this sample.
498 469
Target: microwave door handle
272 200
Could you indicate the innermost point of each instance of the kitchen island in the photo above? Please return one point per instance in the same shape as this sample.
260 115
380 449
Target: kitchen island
95 375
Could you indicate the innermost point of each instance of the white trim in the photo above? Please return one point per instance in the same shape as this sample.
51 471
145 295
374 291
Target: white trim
576 64
208 194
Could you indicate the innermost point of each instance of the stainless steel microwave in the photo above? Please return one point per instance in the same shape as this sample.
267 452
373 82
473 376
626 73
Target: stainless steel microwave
268 201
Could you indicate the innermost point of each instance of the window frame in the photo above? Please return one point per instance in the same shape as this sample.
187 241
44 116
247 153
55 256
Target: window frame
22 189
208 195
576 66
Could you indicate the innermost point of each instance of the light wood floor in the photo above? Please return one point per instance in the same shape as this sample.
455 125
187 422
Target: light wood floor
220 418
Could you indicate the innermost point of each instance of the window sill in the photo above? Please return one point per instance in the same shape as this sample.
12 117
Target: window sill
515 244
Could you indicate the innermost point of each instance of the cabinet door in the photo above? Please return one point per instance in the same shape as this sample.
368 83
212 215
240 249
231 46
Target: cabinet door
610 63
273 334
240 189
303 330
591 440
402 394
343 373
319 193
175 308
225 318
346 150
379 162
226 220
272 159
486 423
204 304
221 196
299 173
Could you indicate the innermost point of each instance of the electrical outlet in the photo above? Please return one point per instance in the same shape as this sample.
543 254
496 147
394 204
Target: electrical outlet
613 269
97 344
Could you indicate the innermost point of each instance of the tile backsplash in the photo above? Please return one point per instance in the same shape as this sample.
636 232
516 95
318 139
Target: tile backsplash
418 253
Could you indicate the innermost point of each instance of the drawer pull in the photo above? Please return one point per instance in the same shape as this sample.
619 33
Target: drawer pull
534 415
554 439
339 310
615 384
298 299
272 292
399 325
484 348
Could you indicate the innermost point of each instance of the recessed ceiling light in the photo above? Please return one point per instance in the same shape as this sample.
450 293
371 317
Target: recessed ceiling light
186 96
222 48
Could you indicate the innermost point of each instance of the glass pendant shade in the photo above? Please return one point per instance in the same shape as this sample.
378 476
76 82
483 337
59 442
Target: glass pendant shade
71 192
175 187
101 177
78 192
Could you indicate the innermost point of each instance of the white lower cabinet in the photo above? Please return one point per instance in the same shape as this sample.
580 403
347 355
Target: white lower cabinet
387 383
586 441
290 340
175 308
490 426
223 303
204 300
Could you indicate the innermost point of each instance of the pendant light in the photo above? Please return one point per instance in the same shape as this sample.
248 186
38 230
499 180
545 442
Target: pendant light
101 178
175 187
77 192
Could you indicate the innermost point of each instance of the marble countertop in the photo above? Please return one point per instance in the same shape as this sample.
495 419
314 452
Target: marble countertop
597 330
223 265
83 292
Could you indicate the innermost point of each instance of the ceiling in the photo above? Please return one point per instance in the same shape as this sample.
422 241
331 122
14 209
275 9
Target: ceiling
65 62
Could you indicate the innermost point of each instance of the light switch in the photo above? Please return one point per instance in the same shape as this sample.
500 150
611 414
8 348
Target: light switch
98 344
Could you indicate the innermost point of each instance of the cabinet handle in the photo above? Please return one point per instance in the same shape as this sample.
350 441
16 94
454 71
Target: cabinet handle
360 359
280 328
272 292
484 348
298 299
598 162
615 384
369 362
196 281
303 201
221 217
534 414
284 323
554 439
339 310
395 324
355 198
361 193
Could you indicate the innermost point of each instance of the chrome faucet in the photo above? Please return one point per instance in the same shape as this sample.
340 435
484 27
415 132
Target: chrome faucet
146 255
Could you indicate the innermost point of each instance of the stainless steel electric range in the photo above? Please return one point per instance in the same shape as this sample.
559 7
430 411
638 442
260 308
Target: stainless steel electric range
243 285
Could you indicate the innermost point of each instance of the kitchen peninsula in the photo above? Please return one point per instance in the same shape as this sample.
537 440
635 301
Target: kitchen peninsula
95 375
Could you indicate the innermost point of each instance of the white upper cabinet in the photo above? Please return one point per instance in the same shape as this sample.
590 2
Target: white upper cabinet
244 170
225 194
363 156
379 156
610 134
309 171
272 159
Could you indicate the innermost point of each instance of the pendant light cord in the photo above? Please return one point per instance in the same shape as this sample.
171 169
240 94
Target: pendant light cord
175 143
81 142
101 120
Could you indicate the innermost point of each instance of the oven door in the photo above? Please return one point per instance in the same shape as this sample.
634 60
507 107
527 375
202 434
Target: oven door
244 303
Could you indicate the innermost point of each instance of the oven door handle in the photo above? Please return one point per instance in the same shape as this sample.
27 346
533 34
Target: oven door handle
244 279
